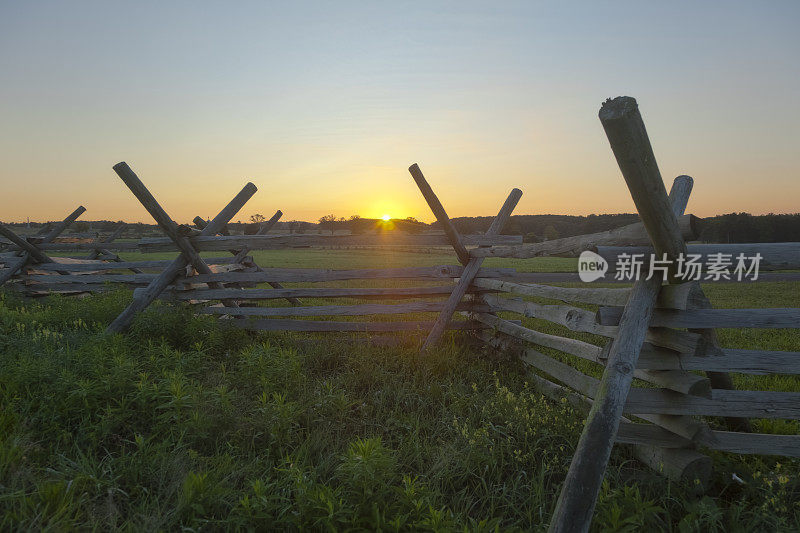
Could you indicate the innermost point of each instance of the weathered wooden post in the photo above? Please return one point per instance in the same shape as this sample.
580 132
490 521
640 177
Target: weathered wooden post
157 286
469 273
440 213
60 227
631 146
471 265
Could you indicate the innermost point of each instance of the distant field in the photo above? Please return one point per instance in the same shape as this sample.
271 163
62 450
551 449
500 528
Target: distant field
184 423
376 258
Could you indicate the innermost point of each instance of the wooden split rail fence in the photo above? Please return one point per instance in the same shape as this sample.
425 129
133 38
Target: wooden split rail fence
661 334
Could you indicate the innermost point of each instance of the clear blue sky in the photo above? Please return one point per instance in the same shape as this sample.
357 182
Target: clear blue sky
324 105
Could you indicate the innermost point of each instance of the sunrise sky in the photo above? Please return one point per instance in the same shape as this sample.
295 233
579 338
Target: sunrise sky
325 105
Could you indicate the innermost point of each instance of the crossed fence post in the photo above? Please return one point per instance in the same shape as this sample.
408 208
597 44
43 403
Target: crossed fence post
28 248
627 135
471 265
188 253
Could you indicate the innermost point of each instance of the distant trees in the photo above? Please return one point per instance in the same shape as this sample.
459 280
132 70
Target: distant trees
731 227
81 226
727 228
744 227
255 224
550 233
411 225
328 222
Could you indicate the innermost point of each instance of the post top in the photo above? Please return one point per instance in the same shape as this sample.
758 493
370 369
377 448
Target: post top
618 107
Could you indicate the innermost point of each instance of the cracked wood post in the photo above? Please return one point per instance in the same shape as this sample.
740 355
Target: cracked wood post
49 236
631 146
469 273
166 223
263 230
157 286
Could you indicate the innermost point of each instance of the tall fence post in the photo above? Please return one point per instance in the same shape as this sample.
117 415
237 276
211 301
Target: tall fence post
631 146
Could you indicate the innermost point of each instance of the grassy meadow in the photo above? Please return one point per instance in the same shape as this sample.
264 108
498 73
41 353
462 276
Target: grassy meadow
186 423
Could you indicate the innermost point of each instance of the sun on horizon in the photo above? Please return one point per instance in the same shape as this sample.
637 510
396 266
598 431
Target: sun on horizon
386 218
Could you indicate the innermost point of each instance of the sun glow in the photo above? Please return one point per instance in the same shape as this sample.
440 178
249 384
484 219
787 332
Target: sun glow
386 218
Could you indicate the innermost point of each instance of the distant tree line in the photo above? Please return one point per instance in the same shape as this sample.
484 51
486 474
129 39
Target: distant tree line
535 228
744 227
732 227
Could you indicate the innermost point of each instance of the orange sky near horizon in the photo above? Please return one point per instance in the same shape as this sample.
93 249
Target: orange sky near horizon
324 109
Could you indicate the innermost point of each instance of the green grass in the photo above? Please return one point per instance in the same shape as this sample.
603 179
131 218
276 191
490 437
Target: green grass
186 424
377 258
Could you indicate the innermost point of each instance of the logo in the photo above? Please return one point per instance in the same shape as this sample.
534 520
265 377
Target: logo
591 266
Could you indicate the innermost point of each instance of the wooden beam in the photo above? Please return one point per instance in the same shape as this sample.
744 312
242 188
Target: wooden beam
268 225
340 310
629 142
92 265
678 431
470 271
277 324
280 242
581 349
63 225
573 318
111 238
599 296
389 293
630 235
440 213
295 275
711 318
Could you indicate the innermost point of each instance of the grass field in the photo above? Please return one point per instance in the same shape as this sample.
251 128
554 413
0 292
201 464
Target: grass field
185 423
